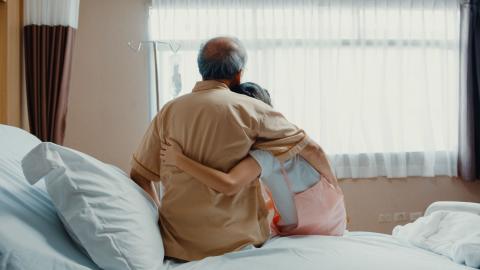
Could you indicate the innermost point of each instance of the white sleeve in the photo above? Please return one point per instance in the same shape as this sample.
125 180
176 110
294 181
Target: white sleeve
266 161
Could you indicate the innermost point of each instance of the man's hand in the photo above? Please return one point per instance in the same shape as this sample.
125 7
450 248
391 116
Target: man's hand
317 158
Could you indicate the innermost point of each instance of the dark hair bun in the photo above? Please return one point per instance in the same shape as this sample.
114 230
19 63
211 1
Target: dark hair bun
253 90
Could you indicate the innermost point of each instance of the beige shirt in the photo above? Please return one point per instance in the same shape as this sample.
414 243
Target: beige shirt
216 127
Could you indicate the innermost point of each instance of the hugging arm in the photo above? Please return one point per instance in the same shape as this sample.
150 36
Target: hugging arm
228 183
285 140
317 158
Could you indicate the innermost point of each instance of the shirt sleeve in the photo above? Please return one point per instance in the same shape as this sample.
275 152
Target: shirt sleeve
146 159
266 161
278 136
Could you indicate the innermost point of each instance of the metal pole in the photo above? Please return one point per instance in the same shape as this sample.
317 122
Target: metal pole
157 95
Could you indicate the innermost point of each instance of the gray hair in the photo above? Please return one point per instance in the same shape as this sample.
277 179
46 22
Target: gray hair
221 58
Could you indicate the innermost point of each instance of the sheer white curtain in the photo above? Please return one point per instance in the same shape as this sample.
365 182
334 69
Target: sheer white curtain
375 83
51 12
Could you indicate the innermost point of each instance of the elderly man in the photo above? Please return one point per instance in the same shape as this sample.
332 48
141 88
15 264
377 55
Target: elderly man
217 128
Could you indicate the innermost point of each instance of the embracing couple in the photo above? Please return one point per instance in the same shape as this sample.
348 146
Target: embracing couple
210 147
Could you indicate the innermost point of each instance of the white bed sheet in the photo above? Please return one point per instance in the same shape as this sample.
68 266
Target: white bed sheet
356 250
469 207
32 236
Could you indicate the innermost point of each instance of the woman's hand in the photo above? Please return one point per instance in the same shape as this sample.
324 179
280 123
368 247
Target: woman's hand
170 152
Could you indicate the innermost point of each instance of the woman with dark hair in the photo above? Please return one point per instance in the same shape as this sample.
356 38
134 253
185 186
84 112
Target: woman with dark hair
253 90
305 202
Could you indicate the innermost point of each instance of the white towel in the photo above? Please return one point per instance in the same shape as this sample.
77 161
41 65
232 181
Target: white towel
452 234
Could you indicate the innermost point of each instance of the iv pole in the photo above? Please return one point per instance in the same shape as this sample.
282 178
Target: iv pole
174 47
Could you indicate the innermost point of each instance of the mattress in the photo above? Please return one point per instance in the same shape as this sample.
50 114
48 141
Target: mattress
32 236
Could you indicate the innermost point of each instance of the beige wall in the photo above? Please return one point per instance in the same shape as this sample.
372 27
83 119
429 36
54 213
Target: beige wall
367 198
108 108
108 114
10 62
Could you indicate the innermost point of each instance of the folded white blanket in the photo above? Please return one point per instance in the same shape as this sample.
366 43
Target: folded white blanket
452 234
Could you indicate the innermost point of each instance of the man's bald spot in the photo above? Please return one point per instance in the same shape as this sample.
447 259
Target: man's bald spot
219 47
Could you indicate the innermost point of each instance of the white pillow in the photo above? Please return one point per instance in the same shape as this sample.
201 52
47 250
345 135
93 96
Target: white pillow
15 142
114 220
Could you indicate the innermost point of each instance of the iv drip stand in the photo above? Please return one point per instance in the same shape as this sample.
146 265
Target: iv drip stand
174 47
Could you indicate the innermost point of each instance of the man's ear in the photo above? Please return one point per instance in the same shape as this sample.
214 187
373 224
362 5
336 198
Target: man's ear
238 78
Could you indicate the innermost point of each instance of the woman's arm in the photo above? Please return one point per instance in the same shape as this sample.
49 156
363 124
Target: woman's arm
228 183
317 158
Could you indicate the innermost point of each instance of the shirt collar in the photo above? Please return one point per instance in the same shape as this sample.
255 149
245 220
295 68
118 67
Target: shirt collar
209 85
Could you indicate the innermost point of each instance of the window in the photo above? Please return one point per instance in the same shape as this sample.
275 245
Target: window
374 82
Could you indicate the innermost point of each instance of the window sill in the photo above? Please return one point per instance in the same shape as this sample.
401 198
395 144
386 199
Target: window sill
394 165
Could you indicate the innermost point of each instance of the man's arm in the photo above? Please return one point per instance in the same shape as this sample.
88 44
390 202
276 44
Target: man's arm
146 185
277 135
283 139
317 158
146 160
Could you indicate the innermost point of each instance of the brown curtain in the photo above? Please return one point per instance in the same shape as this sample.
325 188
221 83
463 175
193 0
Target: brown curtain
469 133
48 57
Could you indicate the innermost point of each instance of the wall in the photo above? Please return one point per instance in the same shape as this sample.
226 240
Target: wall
10 62
367 198
108 108
108 114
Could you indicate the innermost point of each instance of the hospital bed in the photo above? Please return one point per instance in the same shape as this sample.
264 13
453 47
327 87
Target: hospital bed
33 237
